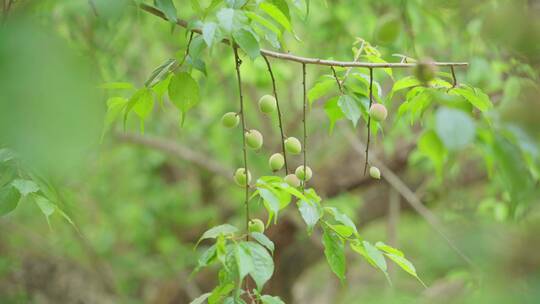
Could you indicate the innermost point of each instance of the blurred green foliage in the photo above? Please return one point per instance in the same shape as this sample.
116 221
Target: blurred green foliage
138 210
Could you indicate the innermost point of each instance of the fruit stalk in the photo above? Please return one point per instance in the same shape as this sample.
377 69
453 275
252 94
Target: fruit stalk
238 62
369 119
274 90
304 121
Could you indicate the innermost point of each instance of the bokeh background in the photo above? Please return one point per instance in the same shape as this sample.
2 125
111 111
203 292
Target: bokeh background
140 201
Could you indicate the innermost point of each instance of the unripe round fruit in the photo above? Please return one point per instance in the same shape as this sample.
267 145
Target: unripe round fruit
254 139
378 112
256 225
425 70
374 172
276 161
292 180
267 104
240 177
293 145
230 120
301 173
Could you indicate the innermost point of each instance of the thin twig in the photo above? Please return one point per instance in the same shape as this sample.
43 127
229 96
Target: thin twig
409 196
238 62
186 53
304 123
369 119
454 79
307 60
337 80
278 112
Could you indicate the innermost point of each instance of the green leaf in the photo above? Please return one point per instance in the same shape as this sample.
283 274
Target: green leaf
276 14
375 255
342 218
388 249
263 265
430 145
262 21
46 207
214 232
335 252
333 111
405 264
231 20
209 33
144 104
115 106
220 292
201 299
248 43
9 198
160 73
320 89
342 230
263 240
349 108
167 7
455 128
206 258
184 92
25 186
311 213
244 261
266 299
476 97
405 83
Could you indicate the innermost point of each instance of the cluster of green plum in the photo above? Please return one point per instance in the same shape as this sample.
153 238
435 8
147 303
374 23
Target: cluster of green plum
254 140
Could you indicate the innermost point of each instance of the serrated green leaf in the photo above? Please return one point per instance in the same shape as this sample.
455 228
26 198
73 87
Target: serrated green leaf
209 33
214 232
247 43
388 249
349 108
476 97
244 260
263 240
262 21
335 252
231 20
311 213
333 112
263 265
321 89
342 218
183 92
405 83
276 14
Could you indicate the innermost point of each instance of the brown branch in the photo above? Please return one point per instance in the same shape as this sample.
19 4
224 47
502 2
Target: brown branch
369 119
409 196
278 112
304 123
176 150
237 63
337 80
307 60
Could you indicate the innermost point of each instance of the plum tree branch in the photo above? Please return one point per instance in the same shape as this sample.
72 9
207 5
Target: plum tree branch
409 196
306 60
282 133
